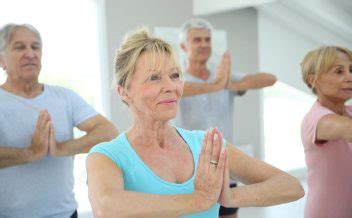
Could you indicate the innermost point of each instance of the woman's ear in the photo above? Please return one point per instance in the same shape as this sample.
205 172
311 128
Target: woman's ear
123 94
311 80
2 63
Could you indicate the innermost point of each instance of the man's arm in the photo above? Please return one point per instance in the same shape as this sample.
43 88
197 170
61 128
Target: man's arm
39 147
252 81
98 129
220 82
192 88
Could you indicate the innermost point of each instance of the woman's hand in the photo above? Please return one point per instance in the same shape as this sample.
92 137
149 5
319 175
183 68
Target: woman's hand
226 194
208 181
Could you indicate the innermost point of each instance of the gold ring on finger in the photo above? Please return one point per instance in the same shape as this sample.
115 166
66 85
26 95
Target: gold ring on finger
215 163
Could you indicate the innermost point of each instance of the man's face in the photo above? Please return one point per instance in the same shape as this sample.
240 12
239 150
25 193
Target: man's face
198 46
22 56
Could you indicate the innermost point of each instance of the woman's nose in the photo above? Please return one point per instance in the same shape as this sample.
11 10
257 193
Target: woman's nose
168 84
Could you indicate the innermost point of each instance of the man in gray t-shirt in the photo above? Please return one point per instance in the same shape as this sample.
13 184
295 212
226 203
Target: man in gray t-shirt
209 93
36 132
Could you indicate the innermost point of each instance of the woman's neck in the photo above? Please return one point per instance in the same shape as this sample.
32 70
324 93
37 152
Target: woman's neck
23 88
148 134
336 105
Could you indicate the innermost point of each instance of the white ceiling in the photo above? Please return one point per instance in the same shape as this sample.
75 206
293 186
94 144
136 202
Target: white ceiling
324 20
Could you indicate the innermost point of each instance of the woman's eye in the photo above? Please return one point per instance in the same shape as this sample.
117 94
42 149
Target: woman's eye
154 77
175 76
339 71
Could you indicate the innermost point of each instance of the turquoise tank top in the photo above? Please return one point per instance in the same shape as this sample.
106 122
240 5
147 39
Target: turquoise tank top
140 178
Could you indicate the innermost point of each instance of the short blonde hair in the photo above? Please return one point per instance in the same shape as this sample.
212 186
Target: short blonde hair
319 61
134 45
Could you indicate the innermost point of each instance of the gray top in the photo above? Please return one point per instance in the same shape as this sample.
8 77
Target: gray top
208 110
41 188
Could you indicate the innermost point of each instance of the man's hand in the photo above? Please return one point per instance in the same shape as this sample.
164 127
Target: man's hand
53 149
40 139
223 71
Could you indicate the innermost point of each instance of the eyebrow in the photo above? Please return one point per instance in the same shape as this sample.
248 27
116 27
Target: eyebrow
21 42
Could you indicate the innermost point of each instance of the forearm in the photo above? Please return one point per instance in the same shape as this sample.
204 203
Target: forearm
276 190
100 133
191 89
255 81
14 156
133 204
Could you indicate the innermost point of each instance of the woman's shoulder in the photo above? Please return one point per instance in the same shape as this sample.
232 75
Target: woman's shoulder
316 112
118 150
116 145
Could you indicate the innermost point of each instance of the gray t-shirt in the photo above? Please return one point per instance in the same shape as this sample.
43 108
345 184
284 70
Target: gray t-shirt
41 188
208 110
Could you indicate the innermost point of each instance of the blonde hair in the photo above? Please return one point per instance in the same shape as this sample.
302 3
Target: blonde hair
134 45
319 61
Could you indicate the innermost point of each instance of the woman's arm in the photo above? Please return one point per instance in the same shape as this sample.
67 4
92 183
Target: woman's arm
333 126
109 199
265 184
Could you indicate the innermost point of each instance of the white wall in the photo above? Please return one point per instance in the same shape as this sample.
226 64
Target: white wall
288 30
281 50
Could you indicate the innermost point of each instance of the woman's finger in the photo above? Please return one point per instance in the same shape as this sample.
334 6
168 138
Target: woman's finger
209 146
222 163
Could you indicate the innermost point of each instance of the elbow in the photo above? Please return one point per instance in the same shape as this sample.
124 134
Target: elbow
300 192
109 132
295 189
103 208
113 133
101 213
99 206
271 79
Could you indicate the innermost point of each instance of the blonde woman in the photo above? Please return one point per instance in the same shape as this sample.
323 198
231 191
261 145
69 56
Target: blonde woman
326 132
157 170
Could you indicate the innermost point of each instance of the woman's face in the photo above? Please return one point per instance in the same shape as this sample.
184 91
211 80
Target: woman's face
336 84
154 94
22 56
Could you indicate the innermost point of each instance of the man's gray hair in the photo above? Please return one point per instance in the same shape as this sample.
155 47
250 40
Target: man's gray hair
197 23
6 32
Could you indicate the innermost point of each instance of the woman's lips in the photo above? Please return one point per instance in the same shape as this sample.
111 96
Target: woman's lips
168 101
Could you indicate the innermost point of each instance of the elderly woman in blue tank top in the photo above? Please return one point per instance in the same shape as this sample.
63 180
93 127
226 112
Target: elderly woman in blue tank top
157 170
